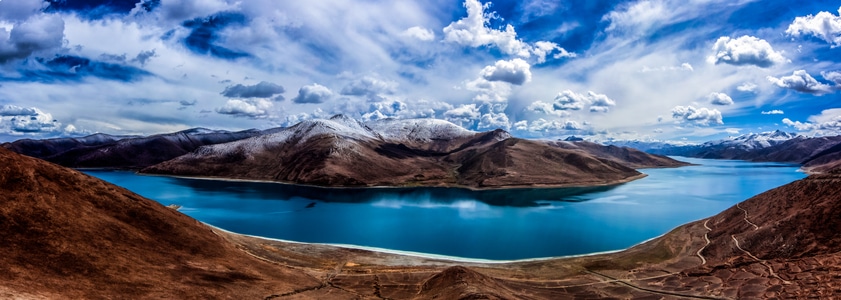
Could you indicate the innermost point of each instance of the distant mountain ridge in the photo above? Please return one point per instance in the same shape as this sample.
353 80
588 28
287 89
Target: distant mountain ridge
108 151
816 154
342 151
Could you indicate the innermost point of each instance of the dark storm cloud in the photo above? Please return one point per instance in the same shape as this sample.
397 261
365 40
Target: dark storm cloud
263 89
74 68
37 33
204 35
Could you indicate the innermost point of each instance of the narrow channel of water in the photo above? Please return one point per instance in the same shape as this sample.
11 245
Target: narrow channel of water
499 225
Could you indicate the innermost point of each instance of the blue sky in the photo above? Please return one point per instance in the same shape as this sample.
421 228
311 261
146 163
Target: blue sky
650 70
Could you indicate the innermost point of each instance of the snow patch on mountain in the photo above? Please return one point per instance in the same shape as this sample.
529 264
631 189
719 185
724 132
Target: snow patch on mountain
418 130
753 141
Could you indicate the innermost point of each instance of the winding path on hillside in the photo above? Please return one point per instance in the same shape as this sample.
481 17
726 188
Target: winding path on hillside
707 239
746 217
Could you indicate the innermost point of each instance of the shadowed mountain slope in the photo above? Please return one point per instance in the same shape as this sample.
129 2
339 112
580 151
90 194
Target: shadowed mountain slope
65 233
105 151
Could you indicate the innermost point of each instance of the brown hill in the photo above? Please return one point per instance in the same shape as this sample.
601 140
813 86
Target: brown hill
344 152
68 235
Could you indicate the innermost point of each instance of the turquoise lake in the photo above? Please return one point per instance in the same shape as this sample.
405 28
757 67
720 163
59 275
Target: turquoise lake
496 225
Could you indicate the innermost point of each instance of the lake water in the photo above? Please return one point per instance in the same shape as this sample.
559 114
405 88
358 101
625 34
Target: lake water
498 225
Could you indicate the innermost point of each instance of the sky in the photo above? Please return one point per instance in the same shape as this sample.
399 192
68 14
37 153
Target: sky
664 70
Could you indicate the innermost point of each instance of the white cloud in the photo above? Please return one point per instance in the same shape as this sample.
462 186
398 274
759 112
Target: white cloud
802 82
313 93
542 48
834 76
719 99
745 50
547 127
420 33
773 112
824 25
473 31
748 87
250 108
14 110
463 115
546 108
515 71
569 100
16 120
828 122
493 120
698 116
370 87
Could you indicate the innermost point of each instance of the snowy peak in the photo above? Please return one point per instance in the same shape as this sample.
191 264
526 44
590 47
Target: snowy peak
418 130
755 140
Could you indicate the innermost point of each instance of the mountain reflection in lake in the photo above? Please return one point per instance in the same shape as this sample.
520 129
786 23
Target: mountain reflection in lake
520 197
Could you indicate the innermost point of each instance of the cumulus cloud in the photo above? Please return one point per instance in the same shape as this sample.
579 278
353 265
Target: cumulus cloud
370 87
473 31
569 100
547 127
748 87
745 50
802 82
250 108
698 116
38 33
720 99
264 89
546 108
313 93
824 25
828 122
14 110
420 33
493 120
773 112
17 120
463 115
515 71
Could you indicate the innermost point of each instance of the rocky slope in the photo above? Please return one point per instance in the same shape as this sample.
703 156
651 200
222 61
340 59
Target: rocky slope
344 152
106 151
68 235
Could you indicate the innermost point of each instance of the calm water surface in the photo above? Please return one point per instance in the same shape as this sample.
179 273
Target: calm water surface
498 225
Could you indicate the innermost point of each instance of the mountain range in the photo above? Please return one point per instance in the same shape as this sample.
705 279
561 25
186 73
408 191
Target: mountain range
775 146
342 151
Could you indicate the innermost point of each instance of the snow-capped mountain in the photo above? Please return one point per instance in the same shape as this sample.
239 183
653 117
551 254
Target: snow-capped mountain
342 151
753 141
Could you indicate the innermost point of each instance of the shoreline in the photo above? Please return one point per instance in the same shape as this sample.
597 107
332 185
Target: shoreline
474 189
442 257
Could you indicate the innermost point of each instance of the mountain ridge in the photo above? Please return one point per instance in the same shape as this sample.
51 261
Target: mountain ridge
341 151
